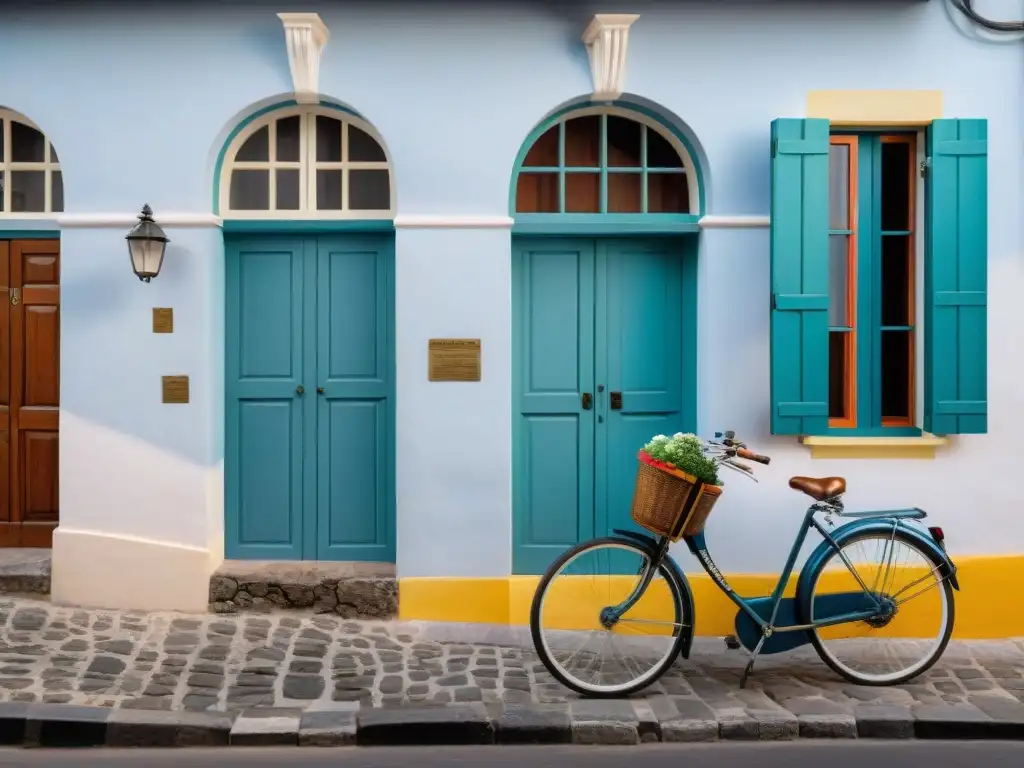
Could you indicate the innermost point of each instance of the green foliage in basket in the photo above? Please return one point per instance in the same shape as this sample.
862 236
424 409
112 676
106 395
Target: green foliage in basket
685 452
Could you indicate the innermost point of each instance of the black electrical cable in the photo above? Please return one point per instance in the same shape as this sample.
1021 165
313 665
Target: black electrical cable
964 6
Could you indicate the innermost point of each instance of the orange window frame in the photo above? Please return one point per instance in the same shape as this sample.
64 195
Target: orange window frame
849 421
911 320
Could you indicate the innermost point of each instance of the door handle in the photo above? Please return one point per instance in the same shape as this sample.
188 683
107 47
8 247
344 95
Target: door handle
319 390
299 390
616 401
588 401
15 296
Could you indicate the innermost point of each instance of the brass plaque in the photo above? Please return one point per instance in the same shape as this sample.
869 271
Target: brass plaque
163 320
454 360
175 389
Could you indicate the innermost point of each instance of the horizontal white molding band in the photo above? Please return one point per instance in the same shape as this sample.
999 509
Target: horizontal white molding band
732 222
448 221
129 220
402 221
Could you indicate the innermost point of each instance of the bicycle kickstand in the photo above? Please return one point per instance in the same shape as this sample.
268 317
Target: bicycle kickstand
753 657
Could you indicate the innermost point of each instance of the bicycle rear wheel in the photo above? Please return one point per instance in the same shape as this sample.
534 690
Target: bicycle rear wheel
915 620
578 632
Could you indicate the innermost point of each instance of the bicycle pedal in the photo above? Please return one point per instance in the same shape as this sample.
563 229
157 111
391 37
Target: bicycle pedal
732 643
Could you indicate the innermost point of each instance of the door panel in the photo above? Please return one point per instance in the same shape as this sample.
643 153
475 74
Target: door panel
598 316
355 497
309 475
268 284
553 350
641 337
6 364
31 393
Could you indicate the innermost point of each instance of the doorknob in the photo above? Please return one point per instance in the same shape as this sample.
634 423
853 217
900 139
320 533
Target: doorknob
15 296
616 401
300 390
320 390
588 400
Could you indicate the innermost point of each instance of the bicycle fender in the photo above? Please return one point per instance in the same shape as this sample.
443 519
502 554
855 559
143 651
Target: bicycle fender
816 560
650 544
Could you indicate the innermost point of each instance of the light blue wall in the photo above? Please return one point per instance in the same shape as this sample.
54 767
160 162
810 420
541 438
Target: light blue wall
137 99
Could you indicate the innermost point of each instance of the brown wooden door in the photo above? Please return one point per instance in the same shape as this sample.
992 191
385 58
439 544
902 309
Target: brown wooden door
29 391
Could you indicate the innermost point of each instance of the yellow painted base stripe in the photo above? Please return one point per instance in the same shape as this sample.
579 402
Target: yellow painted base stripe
988 605
875 108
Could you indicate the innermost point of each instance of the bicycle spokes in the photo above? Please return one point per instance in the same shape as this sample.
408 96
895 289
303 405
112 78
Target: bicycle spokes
605 621
898 594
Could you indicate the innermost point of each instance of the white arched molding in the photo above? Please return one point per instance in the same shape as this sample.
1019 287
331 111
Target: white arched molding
31 183
360 165
689 168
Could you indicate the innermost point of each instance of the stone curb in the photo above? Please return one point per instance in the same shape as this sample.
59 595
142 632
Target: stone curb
623 722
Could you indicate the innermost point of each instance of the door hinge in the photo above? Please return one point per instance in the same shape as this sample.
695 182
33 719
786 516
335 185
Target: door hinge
15 296
925 165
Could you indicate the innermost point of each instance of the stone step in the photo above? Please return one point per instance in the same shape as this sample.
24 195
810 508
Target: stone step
349 589
24 571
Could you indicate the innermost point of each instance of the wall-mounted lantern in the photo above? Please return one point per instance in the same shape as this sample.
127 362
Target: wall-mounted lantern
146 245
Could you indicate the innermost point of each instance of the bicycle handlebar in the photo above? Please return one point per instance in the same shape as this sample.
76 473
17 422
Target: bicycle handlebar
743 453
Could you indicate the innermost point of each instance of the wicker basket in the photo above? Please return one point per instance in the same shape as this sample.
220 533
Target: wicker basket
700 509
671 503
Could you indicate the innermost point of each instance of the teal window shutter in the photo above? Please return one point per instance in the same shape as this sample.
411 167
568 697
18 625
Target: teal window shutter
956 275
799 276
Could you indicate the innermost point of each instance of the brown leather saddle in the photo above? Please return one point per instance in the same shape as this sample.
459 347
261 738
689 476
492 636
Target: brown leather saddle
819 488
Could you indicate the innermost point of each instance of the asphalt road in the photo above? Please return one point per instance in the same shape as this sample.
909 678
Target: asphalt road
912 754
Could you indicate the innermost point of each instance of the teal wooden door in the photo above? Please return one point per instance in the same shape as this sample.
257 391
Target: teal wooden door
355 490
309 376
594 317
553 365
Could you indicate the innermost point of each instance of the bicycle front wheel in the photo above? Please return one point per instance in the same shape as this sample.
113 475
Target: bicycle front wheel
595 626
914 617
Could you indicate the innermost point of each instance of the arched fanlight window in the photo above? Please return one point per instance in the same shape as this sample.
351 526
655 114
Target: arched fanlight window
307 162
606 161
30 178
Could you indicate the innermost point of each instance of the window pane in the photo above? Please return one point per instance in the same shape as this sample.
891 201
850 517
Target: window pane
256 148
896 280
250 190
328 190
288 140
582 193
583 142
667 193
2 132
896 190
661 154
287 189
544 151
3 190
363 148
838 277
623 142
896 379
838 372
57 191
537 193
27 144
839 186
624 192
369 190
328 141
28 191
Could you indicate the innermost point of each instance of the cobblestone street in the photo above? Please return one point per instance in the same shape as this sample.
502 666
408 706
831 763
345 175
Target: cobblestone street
234 663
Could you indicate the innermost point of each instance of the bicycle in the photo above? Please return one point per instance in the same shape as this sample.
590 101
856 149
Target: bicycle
764 625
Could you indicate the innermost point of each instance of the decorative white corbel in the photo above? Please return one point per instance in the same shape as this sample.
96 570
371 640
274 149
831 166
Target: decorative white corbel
305 34
606 38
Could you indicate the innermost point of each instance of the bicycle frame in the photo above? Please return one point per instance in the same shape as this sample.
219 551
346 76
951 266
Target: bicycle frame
698 547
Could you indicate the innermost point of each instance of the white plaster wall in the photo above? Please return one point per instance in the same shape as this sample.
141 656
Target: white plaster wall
139 475
453 438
